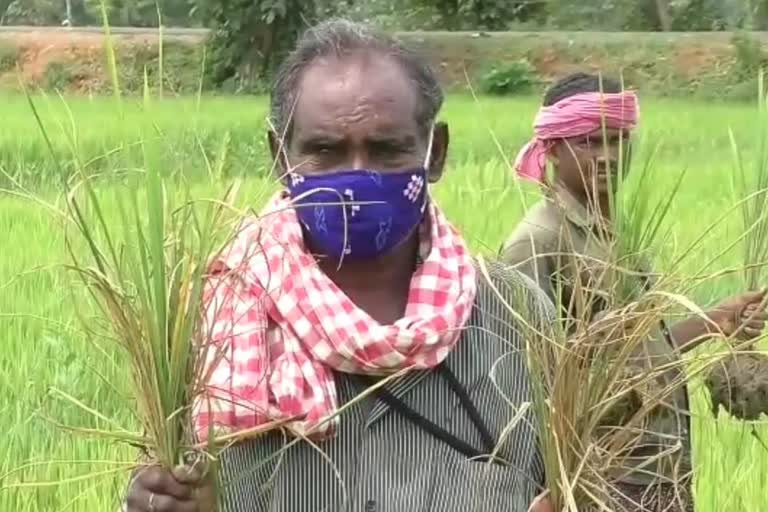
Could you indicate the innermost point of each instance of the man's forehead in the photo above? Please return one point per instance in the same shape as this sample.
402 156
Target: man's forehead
349 90
599 133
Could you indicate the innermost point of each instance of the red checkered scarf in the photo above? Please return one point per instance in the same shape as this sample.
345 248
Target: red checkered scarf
284 325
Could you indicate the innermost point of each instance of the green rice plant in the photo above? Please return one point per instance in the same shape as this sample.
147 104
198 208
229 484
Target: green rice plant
640 225
145 270
750 189
637 219
43 344
737 382
147 276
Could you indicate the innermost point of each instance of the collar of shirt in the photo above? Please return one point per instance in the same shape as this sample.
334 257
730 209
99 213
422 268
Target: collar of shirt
575 211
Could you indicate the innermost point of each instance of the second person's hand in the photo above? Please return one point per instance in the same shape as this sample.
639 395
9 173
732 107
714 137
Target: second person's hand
742 315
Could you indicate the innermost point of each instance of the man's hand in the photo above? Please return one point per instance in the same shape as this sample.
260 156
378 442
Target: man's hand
541 504
743 315
155 489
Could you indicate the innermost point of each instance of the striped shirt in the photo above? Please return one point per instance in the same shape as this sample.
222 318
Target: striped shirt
380 461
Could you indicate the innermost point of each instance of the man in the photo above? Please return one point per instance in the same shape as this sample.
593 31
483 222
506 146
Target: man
363 278
564 244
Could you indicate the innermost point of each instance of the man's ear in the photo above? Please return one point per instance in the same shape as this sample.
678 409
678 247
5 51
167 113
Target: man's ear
550 171
552 152
440 139
276 149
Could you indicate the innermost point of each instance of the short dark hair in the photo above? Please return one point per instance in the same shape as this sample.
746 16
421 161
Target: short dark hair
579 83
341 37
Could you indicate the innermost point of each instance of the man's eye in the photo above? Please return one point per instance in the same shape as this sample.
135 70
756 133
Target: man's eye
321 149
388 150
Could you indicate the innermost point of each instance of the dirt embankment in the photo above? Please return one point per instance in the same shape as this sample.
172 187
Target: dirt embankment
668 63
75 59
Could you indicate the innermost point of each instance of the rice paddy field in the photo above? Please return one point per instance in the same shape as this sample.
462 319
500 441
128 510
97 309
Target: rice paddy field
211 141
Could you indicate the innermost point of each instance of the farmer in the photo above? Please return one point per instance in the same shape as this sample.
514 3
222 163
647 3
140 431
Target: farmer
320 301
569 225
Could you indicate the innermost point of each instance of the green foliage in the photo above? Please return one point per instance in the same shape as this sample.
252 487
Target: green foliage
34 12
41 345
481 14
750 186
142 13
182 68
637 15
250 37
136 13
58 76
9 55
750 57
702 15
4 7
516 78
760 16
653 15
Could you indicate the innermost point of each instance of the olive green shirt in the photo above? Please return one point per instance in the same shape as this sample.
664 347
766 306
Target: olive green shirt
560 246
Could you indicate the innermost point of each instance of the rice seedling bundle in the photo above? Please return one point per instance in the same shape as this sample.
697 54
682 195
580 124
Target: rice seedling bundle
593 396
143 254
595 384
146 274
147 279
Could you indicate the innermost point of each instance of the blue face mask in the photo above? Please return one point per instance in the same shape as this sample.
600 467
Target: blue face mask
359 214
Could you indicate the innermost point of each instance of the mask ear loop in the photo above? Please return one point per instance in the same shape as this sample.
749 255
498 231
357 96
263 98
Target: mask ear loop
281 148
295 178
427 162
430 143
289 170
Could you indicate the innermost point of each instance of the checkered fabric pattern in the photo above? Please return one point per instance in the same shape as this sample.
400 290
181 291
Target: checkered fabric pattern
282 325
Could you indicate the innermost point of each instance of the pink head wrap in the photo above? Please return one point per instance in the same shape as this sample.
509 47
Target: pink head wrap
574 116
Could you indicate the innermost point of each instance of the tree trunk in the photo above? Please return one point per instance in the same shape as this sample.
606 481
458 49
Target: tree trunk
4 4
665 18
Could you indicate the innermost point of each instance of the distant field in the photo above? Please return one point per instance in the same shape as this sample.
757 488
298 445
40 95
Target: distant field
42 346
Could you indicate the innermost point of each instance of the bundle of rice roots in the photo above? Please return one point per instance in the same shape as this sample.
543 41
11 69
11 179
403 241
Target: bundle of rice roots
739 383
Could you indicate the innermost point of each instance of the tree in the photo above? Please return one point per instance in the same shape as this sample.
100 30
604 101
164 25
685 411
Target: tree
4 4
140 13
665 17
761 15
483 14
34 12
699 15
249 37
